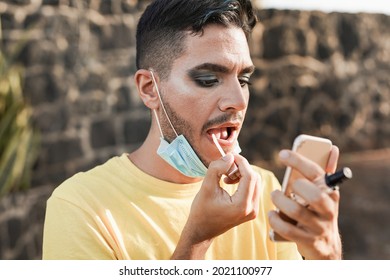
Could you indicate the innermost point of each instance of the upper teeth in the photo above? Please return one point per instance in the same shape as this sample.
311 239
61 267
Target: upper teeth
224 134
220 133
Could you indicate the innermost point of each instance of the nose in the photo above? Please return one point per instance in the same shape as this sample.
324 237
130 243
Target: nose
234 97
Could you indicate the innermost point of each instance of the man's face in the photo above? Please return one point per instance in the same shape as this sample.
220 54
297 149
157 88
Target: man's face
207 90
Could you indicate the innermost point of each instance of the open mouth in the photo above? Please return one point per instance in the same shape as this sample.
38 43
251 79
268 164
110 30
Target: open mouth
226 134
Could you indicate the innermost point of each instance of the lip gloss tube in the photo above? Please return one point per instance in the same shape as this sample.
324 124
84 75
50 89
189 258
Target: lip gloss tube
332 180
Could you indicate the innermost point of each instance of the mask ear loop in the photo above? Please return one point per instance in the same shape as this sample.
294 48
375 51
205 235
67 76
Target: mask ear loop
162 105
158 124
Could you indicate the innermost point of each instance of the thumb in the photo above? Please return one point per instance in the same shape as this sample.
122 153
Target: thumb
218 168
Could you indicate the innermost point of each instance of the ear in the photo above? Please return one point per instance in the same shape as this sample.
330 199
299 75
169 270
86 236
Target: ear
146 88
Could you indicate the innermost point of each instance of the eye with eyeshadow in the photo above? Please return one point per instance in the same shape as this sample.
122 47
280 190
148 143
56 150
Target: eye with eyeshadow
244 81
205 80
210 78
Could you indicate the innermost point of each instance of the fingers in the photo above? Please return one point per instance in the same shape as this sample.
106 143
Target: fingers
248 191
315 197
247 196
316 236
286 229
315 230
248 178
294 210
309 221
306 167
218 168
313 172
214 210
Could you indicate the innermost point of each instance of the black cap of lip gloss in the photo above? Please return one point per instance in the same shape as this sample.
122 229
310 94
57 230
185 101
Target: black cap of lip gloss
338 177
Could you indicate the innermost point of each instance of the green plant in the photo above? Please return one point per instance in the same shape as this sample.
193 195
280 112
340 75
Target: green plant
18 139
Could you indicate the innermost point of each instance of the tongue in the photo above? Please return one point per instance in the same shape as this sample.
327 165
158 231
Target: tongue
220 133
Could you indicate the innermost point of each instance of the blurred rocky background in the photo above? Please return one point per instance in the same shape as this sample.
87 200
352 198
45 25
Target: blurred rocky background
325 74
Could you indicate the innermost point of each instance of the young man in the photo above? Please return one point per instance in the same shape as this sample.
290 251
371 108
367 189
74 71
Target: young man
170 198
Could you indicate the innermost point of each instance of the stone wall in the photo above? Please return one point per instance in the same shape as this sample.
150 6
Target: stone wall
317 73
79 63
321 74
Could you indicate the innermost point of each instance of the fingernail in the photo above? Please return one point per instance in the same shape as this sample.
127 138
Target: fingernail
227 157
283 154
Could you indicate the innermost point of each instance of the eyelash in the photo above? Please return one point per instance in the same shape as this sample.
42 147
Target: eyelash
245 82
212 82
206 82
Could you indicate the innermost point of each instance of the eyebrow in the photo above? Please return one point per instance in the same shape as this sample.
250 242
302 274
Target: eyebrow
220 68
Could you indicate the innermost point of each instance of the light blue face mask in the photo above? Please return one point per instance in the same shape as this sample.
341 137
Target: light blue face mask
182 157
179 153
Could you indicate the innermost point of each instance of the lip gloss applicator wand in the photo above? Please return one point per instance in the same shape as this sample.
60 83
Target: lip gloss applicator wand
235 173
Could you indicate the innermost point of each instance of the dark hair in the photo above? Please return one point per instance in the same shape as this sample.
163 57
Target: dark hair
162 28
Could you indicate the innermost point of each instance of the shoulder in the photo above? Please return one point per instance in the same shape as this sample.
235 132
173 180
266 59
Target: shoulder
89 182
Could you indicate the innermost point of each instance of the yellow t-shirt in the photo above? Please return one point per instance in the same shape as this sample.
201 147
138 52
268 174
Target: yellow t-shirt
116 211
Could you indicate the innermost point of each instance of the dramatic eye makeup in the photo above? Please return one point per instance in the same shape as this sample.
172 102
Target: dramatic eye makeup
245 80
207 75
203 78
